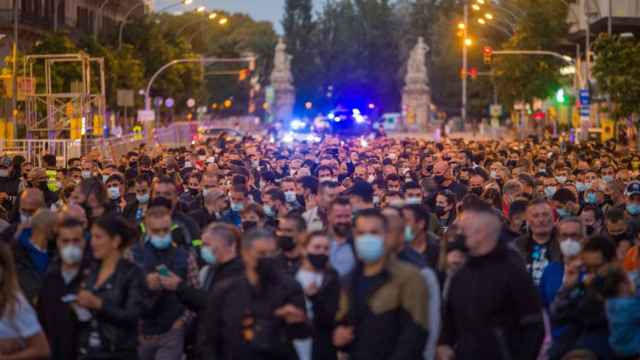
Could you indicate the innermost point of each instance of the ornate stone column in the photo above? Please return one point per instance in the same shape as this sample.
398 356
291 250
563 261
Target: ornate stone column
282 83
416 95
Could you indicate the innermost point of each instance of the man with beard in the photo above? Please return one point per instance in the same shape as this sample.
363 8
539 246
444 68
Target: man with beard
341 255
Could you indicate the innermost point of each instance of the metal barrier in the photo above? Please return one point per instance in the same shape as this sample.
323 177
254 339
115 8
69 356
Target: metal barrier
33 150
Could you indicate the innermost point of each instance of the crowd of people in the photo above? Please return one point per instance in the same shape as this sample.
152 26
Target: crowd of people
393 248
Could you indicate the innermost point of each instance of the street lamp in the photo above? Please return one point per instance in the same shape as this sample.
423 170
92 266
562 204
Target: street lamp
141 4
481 21
475 7
488 16
211 16
201 9
223 21
468 42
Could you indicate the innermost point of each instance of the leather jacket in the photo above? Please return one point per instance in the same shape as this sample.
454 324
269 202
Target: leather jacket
117 322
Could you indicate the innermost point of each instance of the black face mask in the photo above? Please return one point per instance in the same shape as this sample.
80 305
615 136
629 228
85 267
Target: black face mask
590 229
512 163
248 225
194 192
267 268
286 243
476 190
318 261
619 237
429 168
342 230
439 179
464 182
439 210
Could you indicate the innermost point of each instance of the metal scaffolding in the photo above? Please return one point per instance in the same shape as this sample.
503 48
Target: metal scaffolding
48 113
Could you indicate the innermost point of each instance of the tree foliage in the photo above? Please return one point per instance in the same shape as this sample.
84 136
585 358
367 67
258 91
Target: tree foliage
617 72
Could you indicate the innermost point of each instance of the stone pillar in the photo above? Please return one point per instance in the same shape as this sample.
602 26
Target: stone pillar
282 83
416 95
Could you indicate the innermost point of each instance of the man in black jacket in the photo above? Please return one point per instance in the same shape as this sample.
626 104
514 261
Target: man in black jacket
56 311
9 184
257 315
220 244
493 310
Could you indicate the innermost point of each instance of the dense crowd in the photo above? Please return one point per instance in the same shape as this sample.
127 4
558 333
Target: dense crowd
344 249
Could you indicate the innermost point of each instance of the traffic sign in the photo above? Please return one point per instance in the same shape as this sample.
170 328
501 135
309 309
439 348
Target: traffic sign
495 110
146 115
585 111
585 97
124 97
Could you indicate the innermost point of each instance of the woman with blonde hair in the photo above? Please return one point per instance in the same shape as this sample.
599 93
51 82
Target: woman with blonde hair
21 337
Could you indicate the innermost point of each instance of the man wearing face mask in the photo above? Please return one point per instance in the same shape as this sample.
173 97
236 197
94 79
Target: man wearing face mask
56 311
316 217
9 184
274 205
291 228
135 210
214 205
238 200
166 318
115 190
288 185
403 324
257 315
632 202
191 198
418 239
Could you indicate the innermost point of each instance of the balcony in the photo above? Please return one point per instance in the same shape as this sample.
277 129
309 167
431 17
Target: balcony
625 17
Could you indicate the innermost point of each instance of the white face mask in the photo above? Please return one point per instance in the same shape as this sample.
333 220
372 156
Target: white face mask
570 247
24 219
71 254
114 193
86 174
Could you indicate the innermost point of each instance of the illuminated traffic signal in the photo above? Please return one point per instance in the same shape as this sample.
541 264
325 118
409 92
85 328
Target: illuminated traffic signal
560 98
473 72
487 51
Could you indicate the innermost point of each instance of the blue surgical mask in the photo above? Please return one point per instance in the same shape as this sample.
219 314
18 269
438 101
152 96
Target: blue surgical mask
142 199
369 247
563 213
268 210
549 191
237 207
114 193
290 196
160 242
376 200
408 234
591 198
633 209
580 186
607 178
561 179
207 255
413 201
71 254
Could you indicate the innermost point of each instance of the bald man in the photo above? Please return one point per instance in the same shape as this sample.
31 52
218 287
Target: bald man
30 201
493 309
444 179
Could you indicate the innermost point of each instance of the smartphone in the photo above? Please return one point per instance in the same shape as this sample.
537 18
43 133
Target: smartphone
163 271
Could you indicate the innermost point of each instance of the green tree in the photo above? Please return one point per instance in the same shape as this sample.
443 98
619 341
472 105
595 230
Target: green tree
617 72
541 27
298 26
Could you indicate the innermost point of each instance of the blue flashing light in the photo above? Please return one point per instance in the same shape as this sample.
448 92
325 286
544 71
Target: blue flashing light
297 124
287 138
355 112
359 118
331 116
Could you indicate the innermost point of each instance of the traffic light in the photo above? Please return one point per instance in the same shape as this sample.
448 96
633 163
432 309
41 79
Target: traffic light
473 72
487 51
560 98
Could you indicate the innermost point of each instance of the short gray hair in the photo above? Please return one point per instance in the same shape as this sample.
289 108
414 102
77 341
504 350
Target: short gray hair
255 235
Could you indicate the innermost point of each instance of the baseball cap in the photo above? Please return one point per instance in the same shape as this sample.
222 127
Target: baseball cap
6 161
633 188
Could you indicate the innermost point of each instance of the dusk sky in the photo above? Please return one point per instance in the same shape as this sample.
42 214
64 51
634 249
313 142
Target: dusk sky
258 9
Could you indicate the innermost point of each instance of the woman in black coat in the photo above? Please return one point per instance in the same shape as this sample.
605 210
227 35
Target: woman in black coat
322 292
113 294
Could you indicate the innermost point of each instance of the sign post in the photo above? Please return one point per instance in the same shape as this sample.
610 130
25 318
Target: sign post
585 113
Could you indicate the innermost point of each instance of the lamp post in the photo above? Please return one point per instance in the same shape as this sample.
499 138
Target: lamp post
100 16
137 6
465 70
14 76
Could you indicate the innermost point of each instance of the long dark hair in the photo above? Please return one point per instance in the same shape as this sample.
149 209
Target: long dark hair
9 288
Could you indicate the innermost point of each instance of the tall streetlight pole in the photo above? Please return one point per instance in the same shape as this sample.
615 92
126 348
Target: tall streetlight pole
14 75
465 70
